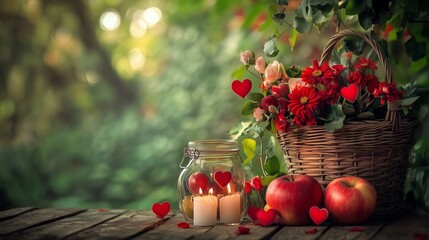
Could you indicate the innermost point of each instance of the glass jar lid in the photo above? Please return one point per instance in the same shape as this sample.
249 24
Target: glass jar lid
214 146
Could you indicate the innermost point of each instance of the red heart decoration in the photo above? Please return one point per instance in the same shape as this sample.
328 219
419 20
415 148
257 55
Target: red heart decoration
252 211
350 93
222 178
161 210
241 88
265 218
318 215
243 230
183 225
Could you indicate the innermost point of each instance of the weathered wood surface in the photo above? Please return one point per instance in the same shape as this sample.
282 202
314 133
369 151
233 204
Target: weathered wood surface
33 223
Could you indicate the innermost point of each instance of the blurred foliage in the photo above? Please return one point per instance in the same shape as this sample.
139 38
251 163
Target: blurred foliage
82 125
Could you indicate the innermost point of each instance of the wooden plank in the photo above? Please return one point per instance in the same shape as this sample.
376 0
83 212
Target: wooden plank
10 213
67 226
351 232
35 218
300 232
414 226
127 225
169 230
230 232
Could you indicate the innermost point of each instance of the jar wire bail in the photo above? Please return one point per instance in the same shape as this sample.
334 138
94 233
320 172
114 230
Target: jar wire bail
193 155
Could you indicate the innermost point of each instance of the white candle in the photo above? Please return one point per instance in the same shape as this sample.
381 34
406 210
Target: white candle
230 208
205 209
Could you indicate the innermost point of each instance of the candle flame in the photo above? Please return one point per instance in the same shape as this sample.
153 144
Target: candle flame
211 191
229 189
201 191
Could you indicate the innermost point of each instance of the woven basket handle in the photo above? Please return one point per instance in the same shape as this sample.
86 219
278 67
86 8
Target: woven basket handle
392 114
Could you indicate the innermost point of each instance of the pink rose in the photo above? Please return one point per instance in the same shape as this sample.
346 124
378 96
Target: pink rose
260 65
296 82
274 72
258 113
247 57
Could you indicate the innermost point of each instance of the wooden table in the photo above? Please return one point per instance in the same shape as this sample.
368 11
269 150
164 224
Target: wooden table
54 223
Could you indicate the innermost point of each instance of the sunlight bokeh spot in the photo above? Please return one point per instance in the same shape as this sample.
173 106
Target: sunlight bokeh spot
136 58
110 20
152 16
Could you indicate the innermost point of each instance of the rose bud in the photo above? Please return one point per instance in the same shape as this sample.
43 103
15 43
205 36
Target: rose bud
260 65
273 109
258 114
257 183
247 57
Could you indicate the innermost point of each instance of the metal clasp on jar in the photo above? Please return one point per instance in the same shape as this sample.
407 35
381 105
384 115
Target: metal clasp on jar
193 155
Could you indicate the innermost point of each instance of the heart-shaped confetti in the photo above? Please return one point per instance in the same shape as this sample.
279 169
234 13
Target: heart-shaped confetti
241 88
161 209
350 93
243 230
222 178
265 218
252 211
318 215
183 225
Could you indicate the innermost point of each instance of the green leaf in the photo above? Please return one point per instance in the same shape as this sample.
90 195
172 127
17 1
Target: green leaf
292 38
365 19
248 108
301 25
415 50
270 48
239 72
269 149
294 72
337 118
354 44
249 148
348 110
355 7
409 101
255 96
265 25
266 180
272 166
238 130
365 115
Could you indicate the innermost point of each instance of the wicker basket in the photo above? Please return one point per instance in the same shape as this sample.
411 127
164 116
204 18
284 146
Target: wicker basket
375 150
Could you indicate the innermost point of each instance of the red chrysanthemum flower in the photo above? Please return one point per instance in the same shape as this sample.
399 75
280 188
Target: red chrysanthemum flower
371 82
366 64
317 74
357 77
387 91
281 122
303 102
330 93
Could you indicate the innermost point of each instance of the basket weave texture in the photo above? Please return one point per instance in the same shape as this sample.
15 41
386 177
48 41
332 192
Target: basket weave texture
376 150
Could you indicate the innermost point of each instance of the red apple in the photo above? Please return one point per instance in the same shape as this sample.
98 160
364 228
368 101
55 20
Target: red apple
197 181
292 197
350 200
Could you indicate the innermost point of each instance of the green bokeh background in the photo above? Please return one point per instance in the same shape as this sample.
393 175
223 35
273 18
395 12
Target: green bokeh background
80 127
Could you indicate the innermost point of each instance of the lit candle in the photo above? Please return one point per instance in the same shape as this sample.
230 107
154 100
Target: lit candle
230 208
205 209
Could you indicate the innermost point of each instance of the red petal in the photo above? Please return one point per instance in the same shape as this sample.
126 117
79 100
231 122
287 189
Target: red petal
243 230
101 210
311 231
183 225
356 229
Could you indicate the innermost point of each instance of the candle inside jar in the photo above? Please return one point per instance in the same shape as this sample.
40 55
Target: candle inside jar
230 208
205 209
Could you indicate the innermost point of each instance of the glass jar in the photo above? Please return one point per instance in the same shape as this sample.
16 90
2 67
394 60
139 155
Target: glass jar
211 185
